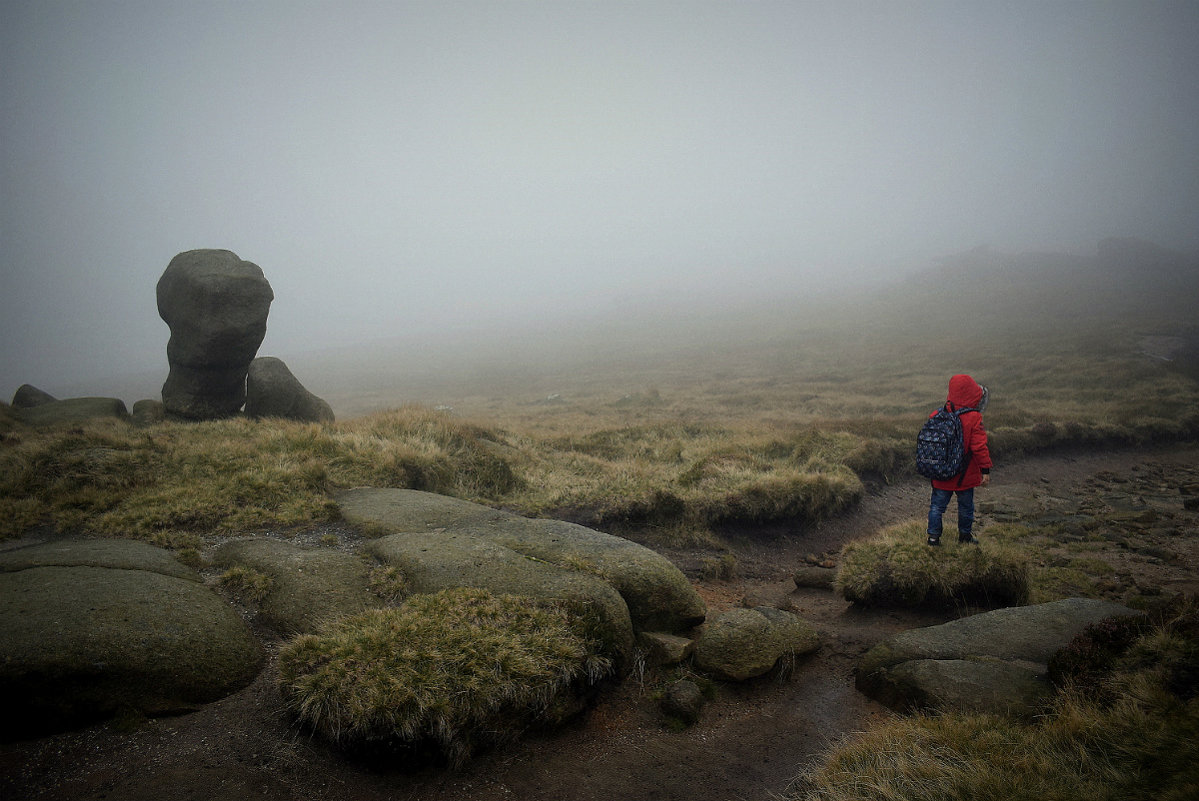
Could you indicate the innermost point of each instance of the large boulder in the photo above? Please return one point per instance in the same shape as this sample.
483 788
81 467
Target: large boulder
306 586
991 662
658 595
92 628
431 562
273 391
216 305
72 411
741 644
28 396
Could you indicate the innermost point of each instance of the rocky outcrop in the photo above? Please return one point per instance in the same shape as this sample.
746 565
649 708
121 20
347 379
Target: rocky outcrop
991 662
307 586
94 627
742 644
28 396
216 306
658 595
72 411
273 391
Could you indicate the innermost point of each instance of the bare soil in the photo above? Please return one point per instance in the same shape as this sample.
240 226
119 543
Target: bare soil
752 740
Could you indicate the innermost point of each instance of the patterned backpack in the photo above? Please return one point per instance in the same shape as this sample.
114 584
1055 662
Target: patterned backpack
940 452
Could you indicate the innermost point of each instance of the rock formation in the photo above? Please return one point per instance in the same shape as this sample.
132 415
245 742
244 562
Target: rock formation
991 662
272 391
742 644
216 306
28 396
89 628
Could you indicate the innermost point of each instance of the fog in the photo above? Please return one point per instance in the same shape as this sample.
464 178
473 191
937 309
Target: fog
418 170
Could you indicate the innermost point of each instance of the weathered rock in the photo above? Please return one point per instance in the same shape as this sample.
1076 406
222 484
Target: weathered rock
147 412
661 648
308 586
105 631
117 554
27 396
743 643
684 701
431 562
73 411
658 595
272 391
216 306
813 577
995 661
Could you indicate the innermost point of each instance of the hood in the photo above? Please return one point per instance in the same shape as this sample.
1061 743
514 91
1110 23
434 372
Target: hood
964 391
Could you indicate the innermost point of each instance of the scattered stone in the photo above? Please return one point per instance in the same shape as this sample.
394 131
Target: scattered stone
991 662
28 396
810 576
684 701
741 644
661 648
104 632
216 305
273 391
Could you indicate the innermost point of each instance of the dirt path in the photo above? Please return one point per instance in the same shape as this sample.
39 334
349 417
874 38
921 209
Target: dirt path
751 741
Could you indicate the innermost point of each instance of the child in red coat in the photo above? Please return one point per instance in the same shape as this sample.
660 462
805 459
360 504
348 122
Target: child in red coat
964 392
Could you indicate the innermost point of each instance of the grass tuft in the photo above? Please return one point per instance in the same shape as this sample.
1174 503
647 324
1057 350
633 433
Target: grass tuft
455 671
897 568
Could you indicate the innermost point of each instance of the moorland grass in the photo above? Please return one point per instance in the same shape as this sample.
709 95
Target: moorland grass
453 671
1131 732
897 568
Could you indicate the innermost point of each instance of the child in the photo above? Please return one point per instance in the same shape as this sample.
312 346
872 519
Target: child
964 393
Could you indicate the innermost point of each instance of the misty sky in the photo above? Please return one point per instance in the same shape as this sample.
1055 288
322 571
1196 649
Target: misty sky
398 167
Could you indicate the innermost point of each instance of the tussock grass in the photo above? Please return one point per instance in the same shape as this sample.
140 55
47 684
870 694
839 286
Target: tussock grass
897 568
1133 735
456 670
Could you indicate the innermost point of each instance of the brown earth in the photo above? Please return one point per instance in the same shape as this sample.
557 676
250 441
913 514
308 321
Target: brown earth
752 738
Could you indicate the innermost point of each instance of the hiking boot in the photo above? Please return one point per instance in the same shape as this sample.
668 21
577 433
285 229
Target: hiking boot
967 539
934 540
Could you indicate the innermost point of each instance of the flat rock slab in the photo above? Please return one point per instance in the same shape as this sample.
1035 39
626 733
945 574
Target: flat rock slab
308 586
80 642
73 410
991 662
658 595
123 554
431 562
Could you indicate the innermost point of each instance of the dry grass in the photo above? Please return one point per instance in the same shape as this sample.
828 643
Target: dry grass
455 670
897 568
1137 739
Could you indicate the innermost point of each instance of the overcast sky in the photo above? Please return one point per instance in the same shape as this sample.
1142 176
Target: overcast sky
399 166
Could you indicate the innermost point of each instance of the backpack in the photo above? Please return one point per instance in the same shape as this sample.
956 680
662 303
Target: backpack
940 452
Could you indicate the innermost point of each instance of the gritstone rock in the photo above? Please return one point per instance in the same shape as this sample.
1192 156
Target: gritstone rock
216 306
28 396
990 662
743 643
273 391
89 628
73 410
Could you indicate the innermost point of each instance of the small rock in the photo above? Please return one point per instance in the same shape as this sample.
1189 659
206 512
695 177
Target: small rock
684 701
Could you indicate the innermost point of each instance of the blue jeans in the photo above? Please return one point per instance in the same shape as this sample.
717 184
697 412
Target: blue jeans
940 502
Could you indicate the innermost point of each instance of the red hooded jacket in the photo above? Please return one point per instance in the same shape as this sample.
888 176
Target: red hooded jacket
964 392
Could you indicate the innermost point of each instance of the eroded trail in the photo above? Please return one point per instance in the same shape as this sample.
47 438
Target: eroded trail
752 740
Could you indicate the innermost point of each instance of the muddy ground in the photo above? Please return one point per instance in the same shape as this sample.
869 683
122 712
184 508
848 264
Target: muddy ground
752 739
